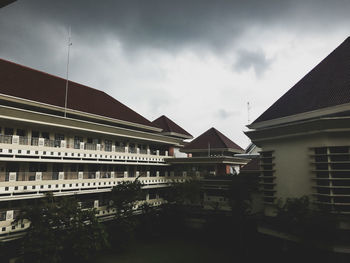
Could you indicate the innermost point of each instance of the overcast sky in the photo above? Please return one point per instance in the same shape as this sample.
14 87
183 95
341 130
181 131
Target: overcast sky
197 62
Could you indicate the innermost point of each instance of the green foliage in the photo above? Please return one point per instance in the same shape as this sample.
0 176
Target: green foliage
125 195
239 196
187 192
61 231
296 216
294 211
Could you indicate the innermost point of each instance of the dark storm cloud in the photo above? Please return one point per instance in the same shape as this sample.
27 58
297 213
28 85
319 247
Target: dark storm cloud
252 59
33 32
169 24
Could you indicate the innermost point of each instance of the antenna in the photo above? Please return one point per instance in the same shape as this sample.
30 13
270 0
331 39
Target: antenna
248 111
66 97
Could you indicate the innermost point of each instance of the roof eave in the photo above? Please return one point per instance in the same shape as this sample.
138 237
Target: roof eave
87 114
300 116
233 150
184 136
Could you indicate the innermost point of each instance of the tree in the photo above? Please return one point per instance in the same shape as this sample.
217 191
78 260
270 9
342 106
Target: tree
124 197
60 231
296 216
187 192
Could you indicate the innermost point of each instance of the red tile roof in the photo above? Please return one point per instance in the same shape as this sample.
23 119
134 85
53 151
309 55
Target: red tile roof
6 2
328 84
169 126
253 165
215 139
27 83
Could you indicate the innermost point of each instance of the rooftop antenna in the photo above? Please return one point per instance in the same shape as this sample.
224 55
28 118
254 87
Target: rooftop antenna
66 98
248 110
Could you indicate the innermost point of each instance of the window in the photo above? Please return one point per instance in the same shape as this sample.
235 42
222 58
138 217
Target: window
21 132
45 135
8 131
77 141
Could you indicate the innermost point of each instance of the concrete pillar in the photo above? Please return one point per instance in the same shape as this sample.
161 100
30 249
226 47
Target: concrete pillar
12 177
63 144
61 176
38 176
15 139
41 142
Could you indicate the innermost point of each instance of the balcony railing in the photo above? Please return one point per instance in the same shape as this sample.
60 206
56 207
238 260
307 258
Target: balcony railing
143 174
35 141
71 175
120 149
104 174
132 150
25 176
49 176
89 175
52 143
119 174
90 146
5 138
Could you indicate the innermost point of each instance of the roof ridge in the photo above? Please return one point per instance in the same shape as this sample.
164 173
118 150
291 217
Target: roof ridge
166 119
326 83
219 134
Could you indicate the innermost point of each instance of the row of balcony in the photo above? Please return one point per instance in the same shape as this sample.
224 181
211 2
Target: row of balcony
43 142
44 176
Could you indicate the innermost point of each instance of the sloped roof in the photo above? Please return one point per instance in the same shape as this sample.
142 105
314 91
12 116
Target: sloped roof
170 127
4 3
252 165
27 83
215 139
327 85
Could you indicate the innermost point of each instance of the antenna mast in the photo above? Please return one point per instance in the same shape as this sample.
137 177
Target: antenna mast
66 97
248 110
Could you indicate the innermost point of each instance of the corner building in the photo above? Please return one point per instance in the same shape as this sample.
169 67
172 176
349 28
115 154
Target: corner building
83 149
305 139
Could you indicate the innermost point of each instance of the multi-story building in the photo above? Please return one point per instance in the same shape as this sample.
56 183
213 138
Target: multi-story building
75 141
305 139
212 158
69 139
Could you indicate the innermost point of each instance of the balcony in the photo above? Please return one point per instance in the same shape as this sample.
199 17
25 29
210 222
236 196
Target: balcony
13 146
20 185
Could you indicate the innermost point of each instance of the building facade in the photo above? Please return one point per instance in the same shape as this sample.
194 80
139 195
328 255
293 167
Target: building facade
85 149
305 142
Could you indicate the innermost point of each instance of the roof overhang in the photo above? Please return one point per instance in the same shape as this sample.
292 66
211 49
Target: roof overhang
300 128
301 116
175 134
71 111
208 160
4 3
36 118
212 150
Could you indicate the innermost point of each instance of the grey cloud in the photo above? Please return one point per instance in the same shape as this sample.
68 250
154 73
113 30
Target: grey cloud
252 59
225 114
170 25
